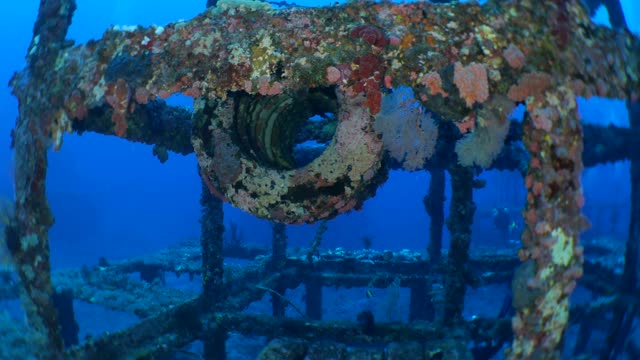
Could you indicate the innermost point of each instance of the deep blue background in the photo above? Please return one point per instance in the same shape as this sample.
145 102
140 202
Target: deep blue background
113 198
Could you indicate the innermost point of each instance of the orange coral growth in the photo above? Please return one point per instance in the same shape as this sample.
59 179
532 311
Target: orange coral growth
528 85
142 95
433 82
370 34
514 57
333 75
472 82
74 105
544 118
388 81
267 88
407 41
118 96
468 124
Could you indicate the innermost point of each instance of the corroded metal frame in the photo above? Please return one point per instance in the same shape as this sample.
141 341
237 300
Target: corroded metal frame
455 58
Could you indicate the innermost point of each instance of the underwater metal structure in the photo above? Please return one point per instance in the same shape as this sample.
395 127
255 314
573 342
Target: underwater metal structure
247 66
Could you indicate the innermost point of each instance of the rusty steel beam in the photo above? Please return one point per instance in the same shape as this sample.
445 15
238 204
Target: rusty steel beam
552 255
39 111
169 128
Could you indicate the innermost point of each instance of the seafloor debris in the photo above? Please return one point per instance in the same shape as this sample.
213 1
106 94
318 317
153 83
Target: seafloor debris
116 286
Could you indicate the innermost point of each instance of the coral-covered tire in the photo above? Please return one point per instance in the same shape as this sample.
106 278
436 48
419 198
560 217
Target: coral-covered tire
340 179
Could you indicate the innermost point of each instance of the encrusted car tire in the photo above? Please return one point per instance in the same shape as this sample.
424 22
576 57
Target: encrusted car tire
340 179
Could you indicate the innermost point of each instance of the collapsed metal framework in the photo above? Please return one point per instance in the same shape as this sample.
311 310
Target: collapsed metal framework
466 63
172 318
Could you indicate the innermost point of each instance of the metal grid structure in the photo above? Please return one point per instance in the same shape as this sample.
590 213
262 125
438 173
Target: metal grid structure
469 64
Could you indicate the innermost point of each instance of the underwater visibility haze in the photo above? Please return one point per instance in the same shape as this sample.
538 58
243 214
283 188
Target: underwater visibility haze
247 179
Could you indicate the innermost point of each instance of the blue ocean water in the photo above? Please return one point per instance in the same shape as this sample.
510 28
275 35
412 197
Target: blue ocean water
114 199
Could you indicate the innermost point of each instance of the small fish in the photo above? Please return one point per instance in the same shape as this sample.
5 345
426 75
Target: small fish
370 293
